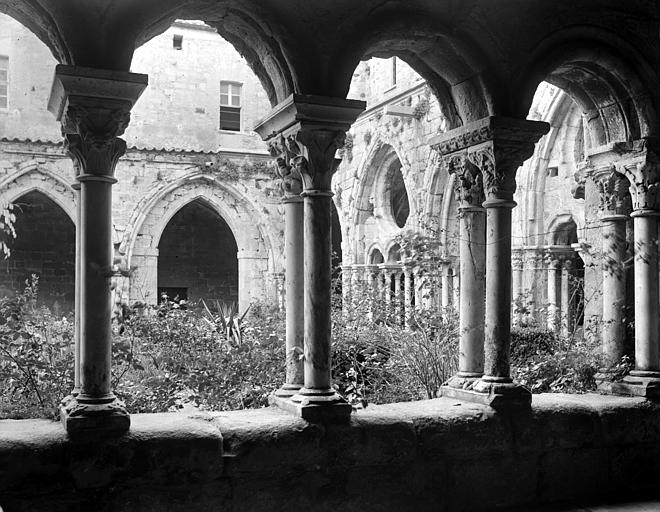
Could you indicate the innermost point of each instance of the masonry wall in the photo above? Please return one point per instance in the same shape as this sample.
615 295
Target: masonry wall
436 455
176 154
45 246
360 185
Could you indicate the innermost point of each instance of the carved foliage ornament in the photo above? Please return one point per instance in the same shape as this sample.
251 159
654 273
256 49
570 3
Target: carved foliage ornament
285 151
318 163
91 156
95 146
613 192
469 181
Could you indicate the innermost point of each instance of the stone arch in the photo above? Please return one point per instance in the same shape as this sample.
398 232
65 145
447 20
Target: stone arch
197 255
375 256
154 213
563 230
45 245
455 73
603 74
31 177
566 133
394 253
40 22
251 37
373 171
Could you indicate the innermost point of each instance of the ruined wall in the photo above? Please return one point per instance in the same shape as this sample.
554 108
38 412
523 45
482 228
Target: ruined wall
378 137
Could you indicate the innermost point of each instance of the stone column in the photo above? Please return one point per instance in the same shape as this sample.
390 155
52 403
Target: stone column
398 297
516 284
446 286
472 253
346 282
308 131
94 109
408 293
357 279
280 293
565 294
497 147
385 280
613 188
553 265
291 187
76 319
644 176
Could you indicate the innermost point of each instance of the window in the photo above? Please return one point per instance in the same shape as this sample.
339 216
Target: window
230 106
4 81
177 42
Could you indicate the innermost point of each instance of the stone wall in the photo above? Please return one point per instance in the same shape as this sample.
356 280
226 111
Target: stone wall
152 187
436 455
176 155
45 246
396 126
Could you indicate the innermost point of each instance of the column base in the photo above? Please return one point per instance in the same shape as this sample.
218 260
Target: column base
287 390
503 396
94 420
315 406
637 383
462 381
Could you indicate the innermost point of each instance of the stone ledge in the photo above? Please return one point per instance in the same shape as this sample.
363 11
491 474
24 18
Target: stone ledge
441 454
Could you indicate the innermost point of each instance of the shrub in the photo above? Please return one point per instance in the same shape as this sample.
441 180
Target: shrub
36 356
176 358
544 362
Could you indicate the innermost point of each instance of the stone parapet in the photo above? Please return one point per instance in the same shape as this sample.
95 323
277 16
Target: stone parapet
441 454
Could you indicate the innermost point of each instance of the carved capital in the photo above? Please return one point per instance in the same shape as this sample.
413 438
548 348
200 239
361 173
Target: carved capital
644 175
469 183
315 156
314 128
552 261
613 191
290 180
94 155
497 146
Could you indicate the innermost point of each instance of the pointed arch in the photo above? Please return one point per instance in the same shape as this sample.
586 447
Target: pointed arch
31 177
153 213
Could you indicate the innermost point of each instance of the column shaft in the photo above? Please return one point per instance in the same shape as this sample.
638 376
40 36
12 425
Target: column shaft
498 291
95 305
317 277
473 284
294 282
614 291
398 297
647 308
565 308
553 310
407 295
76 318
446 287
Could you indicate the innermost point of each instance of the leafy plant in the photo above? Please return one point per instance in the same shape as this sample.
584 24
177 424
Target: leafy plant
36 356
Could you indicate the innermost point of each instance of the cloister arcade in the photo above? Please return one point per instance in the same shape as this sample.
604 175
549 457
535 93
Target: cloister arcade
484 62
